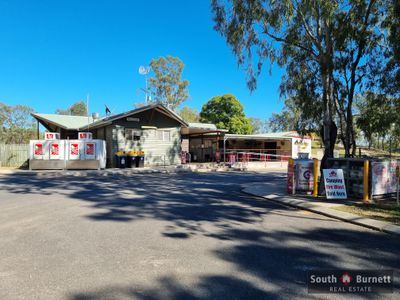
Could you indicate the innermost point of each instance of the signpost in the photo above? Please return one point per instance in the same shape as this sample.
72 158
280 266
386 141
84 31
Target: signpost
290 177
335 186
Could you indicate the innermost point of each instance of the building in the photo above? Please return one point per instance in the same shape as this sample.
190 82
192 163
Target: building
153 129
166 139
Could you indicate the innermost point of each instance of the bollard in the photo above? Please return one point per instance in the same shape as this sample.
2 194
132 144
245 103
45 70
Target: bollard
315 171
365 181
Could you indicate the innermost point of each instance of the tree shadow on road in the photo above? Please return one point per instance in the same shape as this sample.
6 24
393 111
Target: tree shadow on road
266 264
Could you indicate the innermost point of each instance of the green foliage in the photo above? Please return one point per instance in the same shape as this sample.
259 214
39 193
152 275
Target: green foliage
259 126
77 109
379 117
190 115
226 112
16 124
167 86
297 115
331 51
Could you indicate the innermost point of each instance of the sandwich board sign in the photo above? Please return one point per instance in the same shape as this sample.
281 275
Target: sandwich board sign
335 186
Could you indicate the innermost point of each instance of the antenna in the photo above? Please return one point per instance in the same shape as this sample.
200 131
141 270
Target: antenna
144 70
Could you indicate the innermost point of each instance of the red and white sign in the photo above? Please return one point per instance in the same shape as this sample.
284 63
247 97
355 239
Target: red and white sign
84 135
90 151
38 151
335 186
54 151
51 136
74 151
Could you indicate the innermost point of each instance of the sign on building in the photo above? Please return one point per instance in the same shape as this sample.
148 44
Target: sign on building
335 186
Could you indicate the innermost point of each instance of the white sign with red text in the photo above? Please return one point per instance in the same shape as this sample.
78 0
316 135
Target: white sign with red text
335 186
51 136
90 150
74 150
38 150
85 135
55 150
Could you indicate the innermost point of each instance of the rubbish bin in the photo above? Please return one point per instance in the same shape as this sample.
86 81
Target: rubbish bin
140 160
121 159
131 159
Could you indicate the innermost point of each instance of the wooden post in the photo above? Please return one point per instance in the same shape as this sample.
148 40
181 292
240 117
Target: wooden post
365 183
316 172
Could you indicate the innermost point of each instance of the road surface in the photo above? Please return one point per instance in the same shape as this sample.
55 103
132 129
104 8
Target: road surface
169 236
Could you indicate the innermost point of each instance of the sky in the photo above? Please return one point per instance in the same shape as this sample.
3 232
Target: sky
54 53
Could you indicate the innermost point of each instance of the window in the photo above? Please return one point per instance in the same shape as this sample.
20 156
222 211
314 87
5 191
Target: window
164 135
150 133
132 134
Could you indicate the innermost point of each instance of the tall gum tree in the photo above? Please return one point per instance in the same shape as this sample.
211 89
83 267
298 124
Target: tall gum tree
328 49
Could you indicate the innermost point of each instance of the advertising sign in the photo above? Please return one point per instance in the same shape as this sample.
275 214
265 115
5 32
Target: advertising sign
74 151
305 175
85 135
335 186
54 151
51 136
38 151
384 179
90 151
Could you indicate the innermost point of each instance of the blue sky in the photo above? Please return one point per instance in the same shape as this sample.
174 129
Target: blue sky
53 53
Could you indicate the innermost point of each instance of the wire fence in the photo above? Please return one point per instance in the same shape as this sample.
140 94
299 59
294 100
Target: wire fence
14 155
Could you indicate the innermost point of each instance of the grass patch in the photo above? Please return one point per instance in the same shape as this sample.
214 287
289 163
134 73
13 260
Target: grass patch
387 211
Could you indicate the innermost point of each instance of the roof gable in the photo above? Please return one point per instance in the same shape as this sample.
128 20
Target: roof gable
64 121
80 123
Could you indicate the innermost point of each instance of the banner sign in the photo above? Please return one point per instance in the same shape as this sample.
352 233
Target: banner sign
85 135
51 136
74 151
90 152
38 151
55 151
335 186
384 179
305 175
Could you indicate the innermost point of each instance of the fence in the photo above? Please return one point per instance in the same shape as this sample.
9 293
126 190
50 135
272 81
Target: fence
261 156
14 155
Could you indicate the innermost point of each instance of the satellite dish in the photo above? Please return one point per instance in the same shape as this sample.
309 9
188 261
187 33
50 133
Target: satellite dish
144 70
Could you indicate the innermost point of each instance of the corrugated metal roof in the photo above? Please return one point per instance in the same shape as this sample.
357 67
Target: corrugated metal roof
80 123
203 126
272 135
65 121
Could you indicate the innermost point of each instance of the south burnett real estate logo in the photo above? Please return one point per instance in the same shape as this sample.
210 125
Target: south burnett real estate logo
350 281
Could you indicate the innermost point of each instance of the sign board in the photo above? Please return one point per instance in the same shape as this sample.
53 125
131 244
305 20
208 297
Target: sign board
84 135
90 151
131 119
384 180
38 150
74 150
51 136
304 175
55 150
335 186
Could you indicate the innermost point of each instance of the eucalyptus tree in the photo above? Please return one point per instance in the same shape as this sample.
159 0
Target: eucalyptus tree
328 49
167 86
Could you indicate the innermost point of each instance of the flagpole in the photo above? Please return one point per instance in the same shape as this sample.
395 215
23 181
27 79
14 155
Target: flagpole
87 111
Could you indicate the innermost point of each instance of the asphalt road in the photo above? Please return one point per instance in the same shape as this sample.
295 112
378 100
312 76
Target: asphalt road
163 236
